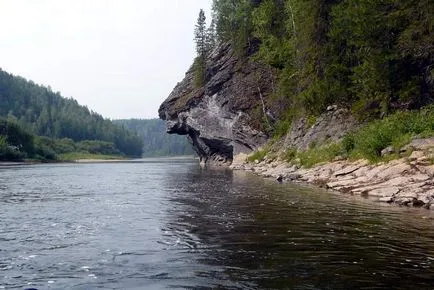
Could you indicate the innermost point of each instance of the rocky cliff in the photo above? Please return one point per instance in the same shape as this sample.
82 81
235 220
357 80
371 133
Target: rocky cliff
232 111
226 115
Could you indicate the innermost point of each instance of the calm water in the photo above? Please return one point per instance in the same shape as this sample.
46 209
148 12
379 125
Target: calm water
167 224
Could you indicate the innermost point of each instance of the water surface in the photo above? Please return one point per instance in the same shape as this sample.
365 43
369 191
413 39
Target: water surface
167 224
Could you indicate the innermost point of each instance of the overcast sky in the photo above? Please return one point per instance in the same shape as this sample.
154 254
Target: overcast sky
121 58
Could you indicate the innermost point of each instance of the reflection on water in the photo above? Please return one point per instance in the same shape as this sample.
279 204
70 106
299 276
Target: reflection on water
165 224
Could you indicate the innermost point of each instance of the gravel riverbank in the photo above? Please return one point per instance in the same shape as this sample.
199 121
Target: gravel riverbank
408 181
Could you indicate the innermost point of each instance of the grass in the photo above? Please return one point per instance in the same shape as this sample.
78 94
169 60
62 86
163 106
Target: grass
290 154
258 155
311 120
396 131
84 155
314 156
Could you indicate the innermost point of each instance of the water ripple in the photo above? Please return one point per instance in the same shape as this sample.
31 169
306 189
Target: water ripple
164 224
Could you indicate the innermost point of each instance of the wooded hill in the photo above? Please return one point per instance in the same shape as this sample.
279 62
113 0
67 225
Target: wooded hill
374 57
37 110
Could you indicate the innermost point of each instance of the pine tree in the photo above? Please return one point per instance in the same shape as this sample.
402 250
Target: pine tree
211 36
200 37
200 34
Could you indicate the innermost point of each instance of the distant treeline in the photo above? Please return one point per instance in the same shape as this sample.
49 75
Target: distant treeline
156 141
17 144
37 110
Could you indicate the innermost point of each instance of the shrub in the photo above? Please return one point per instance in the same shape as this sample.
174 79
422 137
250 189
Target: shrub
290 154
395 130
258 155
325 153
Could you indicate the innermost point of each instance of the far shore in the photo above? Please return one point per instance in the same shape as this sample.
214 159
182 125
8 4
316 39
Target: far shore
101 160
14 163
88 160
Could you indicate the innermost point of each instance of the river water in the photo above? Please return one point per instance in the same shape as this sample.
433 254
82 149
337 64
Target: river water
167 224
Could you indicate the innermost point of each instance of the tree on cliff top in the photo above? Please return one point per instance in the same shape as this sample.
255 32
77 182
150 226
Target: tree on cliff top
200 37
200 34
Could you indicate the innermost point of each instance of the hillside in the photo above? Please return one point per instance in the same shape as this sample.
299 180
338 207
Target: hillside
39 111
273 70
156 142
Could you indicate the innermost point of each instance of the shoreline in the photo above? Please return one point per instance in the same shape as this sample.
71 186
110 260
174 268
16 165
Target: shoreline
99 160
90 160
407 181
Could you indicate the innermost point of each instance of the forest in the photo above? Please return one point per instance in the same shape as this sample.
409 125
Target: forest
156 141
39 123
374 57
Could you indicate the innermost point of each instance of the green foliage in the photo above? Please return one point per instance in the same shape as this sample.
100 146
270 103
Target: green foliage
282 125
156 141
9 153
348 143
395 130
234 22
315 155
269 26
97 147
199 66
205 39
258 155
200 37
4 148
311 120
15 143
200 34
73 156
42 112
45 149
290 154
281 128
373 56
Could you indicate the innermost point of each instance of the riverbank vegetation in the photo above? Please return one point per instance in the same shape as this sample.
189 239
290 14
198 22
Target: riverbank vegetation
41 124
41 112
369 142
16 144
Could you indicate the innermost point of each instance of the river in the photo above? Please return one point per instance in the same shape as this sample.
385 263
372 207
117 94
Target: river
168 224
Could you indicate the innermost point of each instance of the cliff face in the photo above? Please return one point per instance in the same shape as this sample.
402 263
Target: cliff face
223 117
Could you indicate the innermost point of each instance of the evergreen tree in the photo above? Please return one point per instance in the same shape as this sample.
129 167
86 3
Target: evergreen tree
200 37
211 37
42 112
372 56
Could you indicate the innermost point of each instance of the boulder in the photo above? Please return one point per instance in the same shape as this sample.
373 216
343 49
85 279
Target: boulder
294 176
347 170
383 191
387 199
393 171
387 151
279 178
419 144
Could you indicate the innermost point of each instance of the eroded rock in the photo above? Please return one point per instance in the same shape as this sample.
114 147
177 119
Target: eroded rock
219 117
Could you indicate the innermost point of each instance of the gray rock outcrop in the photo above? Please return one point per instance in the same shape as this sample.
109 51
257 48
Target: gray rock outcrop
328 128
222 118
